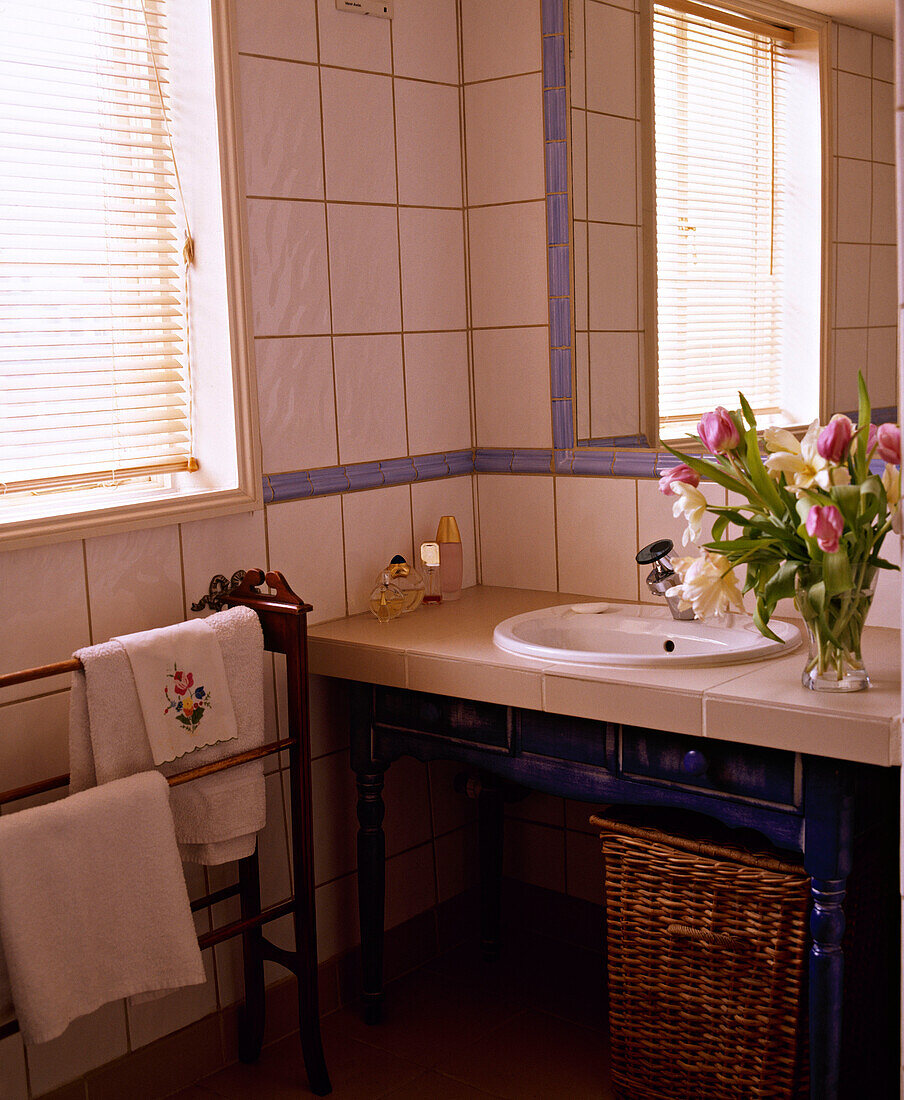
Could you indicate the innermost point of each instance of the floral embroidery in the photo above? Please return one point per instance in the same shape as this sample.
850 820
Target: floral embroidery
190 703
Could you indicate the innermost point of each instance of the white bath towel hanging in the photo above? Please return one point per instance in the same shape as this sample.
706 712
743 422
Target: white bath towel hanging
93 904
217 817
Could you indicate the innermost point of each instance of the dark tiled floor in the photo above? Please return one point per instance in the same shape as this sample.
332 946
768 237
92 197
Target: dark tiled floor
529 1027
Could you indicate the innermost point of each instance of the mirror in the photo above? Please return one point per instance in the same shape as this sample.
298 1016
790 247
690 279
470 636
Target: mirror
611 255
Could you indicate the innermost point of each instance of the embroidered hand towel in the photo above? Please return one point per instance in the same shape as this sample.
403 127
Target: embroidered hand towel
217 817
93 904
182 688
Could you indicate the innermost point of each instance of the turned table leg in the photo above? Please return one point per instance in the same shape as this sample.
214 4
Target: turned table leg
490 823
371 890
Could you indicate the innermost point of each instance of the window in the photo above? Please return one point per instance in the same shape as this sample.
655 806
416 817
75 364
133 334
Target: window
738 200
110 152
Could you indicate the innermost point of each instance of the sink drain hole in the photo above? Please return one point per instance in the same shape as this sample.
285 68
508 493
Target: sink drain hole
668 645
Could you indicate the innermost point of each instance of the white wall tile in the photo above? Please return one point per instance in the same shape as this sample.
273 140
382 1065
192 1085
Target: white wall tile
39 631
353 41
504 131
610 36
579 164
272 846
152 1020
407 798
328 706
854 111
88 1042
855 49
614 385
500 39
410 885
377 527
883 122
511 387
852 285
358 136
364 267
221 545
613 260
883 59
582 383
576 63
508 265
853 200
579 244
305 541
134 581
281 128
883 204
296 403
337 913
850 357
370 398
436 392
882 366
611 169
277 28
886 607
425 40
883 287
433 269
34 740
450 806
596 530
457 862
289 289
428 143
517 546
430 500
333 800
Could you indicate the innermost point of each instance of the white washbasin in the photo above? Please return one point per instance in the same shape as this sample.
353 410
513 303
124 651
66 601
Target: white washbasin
638 636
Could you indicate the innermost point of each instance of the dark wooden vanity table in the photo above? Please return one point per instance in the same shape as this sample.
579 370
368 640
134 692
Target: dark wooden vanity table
831 812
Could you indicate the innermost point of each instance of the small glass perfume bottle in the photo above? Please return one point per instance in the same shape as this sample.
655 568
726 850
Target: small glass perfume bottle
408 581
430 560
450 558
386 601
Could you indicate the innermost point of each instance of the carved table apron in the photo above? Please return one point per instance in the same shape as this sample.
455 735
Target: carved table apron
803 804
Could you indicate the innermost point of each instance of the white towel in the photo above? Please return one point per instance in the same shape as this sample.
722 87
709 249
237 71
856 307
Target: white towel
93 904
217 817
182 688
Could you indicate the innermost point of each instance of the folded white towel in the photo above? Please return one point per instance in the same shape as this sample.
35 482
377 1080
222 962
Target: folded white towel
93 905
182 688
217 817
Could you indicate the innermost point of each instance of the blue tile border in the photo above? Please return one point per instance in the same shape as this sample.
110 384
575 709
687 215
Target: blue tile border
526 461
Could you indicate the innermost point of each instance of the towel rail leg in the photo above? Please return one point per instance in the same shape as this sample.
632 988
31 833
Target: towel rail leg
252 1015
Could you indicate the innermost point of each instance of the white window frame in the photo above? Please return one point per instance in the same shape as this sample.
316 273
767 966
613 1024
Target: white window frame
819 28
230 477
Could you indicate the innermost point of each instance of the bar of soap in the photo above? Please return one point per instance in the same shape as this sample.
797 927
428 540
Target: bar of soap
589 608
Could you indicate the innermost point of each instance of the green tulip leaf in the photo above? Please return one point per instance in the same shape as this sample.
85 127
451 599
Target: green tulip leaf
746 409
836 571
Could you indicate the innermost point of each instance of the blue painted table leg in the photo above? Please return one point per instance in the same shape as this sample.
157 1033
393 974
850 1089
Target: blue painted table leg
371 890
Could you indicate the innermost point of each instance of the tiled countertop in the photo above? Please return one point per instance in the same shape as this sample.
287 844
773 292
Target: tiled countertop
449 650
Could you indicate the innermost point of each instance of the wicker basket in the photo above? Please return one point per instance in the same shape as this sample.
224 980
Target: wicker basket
706 951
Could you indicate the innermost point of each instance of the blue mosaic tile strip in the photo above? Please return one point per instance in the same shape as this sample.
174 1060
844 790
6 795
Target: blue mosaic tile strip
364 475
557 219
560 373
554 111
460 462
562 460
331 480
560 323
269 495
398 471
556 167
559 270
532 462
617 442
554 61
593 462
493 461
427 467
634 464
563 422
553 17
293 486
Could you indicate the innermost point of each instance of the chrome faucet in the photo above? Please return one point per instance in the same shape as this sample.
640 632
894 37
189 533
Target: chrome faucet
662 577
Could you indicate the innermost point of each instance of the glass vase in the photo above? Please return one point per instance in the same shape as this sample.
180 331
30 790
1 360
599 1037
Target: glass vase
834 627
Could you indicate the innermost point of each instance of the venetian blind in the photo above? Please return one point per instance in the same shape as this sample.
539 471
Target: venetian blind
93 362
720 108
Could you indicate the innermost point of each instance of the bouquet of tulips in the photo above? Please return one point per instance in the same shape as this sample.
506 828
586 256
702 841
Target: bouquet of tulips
809 523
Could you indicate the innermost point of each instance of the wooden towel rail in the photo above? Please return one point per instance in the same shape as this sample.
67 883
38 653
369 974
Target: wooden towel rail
284 624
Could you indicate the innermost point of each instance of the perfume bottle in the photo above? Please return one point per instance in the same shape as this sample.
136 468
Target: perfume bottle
386 601
449 539
408 581
430 560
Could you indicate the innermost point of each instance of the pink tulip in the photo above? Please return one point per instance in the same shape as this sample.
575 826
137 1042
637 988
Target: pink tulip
835 438
825 524
680 473
888 439
871 438
718 431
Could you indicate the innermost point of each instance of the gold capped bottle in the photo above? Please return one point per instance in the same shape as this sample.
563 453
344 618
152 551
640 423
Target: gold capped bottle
386 601
408 581
449 539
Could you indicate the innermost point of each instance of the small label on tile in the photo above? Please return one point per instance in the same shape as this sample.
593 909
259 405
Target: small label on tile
380 8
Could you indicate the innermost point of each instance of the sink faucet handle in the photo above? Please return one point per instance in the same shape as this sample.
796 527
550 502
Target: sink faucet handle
654 551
